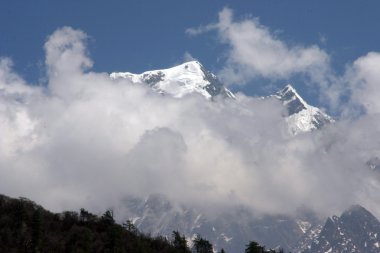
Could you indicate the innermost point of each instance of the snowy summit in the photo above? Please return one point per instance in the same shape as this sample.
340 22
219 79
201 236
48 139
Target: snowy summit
189 77
302 117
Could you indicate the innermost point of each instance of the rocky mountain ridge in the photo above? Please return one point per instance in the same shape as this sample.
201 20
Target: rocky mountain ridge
192 78
355 231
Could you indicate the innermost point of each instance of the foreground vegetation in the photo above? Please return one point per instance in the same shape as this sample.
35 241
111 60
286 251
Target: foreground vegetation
27 227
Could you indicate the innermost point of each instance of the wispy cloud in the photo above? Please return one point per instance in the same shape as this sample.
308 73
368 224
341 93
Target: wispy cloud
201 29
188 57
322 38
255 51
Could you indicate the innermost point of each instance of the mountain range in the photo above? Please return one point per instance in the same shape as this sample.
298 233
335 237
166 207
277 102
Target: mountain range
192 78
356 230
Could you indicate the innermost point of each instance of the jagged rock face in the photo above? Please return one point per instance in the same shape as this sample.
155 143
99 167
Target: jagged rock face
301 117
294 103
310 236
187 78
355 231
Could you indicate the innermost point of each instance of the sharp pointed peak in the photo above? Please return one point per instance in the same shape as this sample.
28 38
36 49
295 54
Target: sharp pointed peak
289 93
288 88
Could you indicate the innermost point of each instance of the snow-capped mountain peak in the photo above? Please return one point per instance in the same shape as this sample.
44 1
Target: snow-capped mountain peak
192 78
189 77
302 117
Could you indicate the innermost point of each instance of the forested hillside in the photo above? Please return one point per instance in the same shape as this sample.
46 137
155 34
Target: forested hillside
28 227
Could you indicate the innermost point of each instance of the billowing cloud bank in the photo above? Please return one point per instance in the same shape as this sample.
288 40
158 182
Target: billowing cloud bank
87 141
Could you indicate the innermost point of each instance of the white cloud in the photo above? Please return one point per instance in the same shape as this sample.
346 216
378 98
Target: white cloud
66 52
88 141
201 29
363 80
188 57
254 52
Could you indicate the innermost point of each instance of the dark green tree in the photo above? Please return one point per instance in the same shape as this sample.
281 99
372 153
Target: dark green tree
254 247
129 226
202 246
179 242
107 217
85 216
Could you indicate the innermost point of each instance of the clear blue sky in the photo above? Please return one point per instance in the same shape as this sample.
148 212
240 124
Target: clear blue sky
141 35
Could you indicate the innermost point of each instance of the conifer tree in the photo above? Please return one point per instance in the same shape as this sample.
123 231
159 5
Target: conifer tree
202 246
254 247
180 243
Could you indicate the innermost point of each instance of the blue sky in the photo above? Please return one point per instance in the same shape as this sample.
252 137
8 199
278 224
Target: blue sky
140 35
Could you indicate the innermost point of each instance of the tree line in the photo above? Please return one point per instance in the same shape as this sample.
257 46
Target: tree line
29 228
